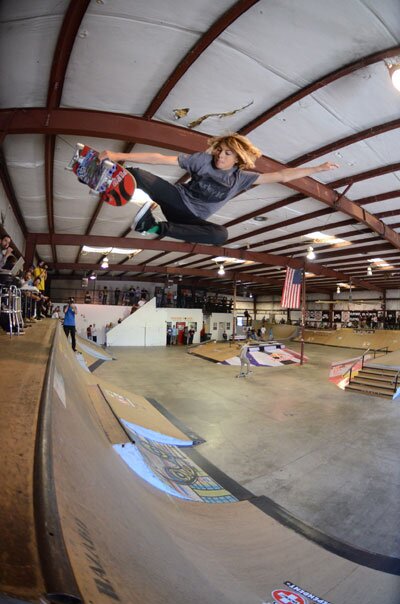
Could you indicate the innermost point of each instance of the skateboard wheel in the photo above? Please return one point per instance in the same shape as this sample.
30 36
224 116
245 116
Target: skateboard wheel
108 163
79 146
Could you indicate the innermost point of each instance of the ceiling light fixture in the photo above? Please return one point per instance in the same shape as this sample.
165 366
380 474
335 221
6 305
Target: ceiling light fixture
111 250
393 66
310 253
338 289
369 271
104 263
92 275
221 270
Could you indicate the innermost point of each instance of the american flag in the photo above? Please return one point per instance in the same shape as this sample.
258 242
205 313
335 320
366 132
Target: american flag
292 288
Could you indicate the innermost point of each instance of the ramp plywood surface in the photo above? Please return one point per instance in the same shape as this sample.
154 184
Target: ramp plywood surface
91 348
23 363
136 409
350 338
129 542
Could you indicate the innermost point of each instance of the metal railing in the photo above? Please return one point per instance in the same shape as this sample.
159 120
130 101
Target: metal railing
385 349
396 380
350 369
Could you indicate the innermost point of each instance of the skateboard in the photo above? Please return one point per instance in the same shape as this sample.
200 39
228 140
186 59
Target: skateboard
110 180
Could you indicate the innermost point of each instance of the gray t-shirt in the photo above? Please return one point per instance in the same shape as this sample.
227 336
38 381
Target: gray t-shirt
210 188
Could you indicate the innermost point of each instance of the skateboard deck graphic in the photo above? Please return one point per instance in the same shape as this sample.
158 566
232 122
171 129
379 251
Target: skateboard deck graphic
110 180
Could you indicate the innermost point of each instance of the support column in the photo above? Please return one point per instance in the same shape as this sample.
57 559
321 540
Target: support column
234 311
303 315
30 248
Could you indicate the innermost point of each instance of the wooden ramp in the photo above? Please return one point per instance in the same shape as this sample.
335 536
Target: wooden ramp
353 338
218 352
128 542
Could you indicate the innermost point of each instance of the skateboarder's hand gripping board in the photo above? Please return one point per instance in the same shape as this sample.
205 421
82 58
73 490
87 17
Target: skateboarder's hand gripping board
110 180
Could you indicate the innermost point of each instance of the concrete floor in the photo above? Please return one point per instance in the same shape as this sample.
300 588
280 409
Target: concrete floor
328 457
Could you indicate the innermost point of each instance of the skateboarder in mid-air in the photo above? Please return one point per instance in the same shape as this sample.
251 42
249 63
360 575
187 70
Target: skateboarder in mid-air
216 176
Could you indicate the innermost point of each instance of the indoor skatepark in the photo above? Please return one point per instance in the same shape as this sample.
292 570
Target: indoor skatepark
259 448
143 471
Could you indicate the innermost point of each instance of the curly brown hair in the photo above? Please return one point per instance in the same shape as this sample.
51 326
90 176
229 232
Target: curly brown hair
244 149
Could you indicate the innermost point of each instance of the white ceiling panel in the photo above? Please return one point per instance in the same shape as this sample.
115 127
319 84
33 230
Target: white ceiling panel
221 64
133 65
25 162
67 253
44 252
329 42
374 186
363 98
294 132
28 37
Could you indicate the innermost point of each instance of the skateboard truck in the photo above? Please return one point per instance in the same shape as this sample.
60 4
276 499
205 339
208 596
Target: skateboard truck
76 157
105 178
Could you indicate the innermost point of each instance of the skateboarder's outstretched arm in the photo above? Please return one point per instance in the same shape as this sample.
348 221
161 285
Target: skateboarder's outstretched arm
140 158
288 174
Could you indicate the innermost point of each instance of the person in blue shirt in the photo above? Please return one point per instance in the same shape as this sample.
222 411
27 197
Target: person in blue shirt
70 311
217 175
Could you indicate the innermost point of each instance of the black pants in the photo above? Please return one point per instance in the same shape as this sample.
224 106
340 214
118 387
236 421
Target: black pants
182 224
70 329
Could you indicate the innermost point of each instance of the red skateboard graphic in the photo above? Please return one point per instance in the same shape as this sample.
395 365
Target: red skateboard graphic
110 180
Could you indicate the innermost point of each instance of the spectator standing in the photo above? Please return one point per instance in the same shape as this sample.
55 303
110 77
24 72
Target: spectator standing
41 272
69 321
94 332
191 333
104 295
89 332
88 298
174 335
117 294
131 296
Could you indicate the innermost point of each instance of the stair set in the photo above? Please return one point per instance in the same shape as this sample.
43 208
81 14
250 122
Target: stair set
375 381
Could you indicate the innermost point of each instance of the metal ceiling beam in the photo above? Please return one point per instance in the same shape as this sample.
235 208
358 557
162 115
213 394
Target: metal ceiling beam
261 257
271 207
203 43
123 127
108 125
146 268
289 236
380 197
91 224
318 214
72 20
345 142
66 39
318 84
298 197
49 146
284 223
374 173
